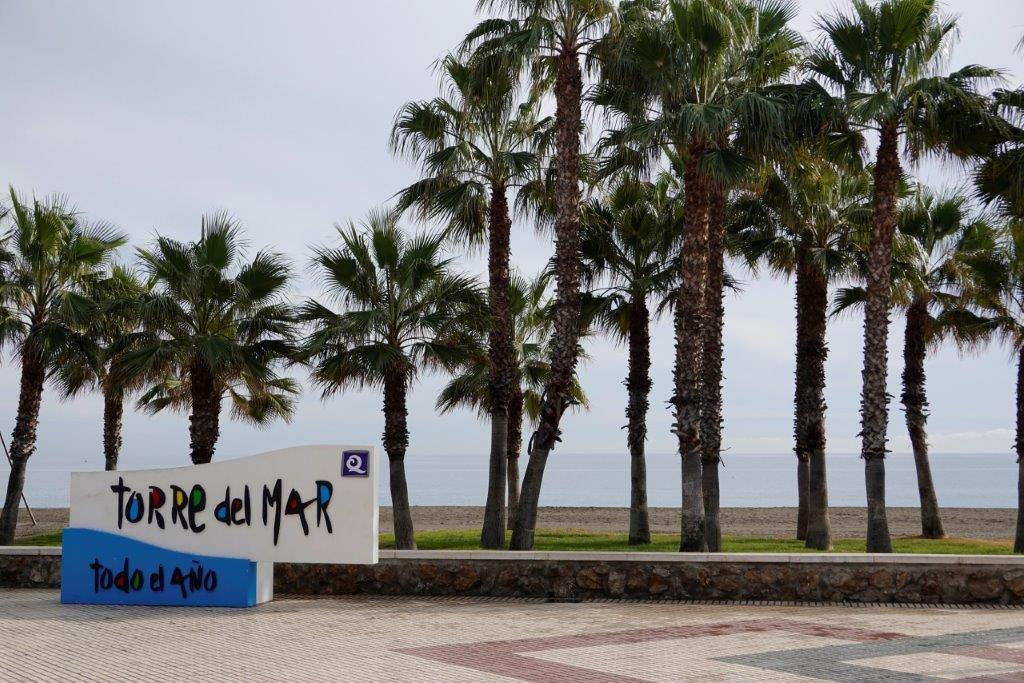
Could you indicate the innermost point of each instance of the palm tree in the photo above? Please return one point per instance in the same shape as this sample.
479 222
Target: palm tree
885 59
800 219
630 252
401 309
770 52
999 179
475 144
551 36
1002 301
931 284
470 387
687 75
935 272
113 329
52 252
215 326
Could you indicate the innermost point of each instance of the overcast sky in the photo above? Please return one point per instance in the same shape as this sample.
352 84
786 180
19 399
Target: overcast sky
150 114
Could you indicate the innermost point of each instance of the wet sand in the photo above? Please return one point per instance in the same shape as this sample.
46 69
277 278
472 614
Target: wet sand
981 523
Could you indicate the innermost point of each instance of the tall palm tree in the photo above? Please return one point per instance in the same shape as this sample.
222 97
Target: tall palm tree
769 53
52 252
215 325
687 75
630 250
551 36
113 329
401 309
801 219
475 144
470 387
885 59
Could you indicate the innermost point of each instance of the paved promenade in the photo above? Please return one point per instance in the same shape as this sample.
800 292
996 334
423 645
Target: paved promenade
406 639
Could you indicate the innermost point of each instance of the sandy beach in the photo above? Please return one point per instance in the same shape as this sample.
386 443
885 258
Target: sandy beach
847 522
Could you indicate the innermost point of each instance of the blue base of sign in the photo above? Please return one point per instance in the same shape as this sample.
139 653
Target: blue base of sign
98 568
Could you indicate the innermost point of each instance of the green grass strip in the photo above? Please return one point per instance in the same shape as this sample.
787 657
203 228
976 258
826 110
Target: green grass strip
560 539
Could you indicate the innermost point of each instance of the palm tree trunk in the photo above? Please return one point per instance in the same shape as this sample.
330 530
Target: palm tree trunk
204 422
515 445
500 348
812 286
565 338
874 398
396 441
23 439
492 536
1018 540
915 404
113 411
638 386
689 322
711 404
803 461
803 487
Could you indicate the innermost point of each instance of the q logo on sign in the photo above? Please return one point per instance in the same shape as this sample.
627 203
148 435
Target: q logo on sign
355 464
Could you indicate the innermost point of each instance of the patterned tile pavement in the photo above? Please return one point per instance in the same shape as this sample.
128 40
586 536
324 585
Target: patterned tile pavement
480 640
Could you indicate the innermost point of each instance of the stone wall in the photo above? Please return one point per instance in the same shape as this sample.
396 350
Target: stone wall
583 576
26 567
599 579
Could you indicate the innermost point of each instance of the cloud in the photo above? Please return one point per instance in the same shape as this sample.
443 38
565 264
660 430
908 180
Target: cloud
280 114
971 441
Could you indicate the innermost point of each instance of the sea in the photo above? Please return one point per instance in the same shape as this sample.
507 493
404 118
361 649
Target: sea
984 480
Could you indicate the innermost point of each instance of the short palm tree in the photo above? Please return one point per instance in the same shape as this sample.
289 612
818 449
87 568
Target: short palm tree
630 251
932 283
52 253
551 36
114 330
400 308
475 144
215 325
800 219
688 75
885 59
1002 301
935 273
999 179
470 386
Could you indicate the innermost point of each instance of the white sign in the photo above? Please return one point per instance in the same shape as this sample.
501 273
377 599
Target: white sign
305 504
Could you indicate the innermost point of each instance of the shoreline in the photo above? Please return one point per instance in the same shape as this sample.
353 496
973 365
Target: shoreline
767 522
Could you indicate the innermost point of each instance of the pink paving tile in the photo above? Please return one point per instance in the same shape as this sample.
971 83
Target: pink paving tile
992 652
505 657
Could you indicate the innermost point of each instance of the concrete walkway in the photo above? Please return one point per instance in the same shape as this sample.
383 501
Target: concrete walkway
407 639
